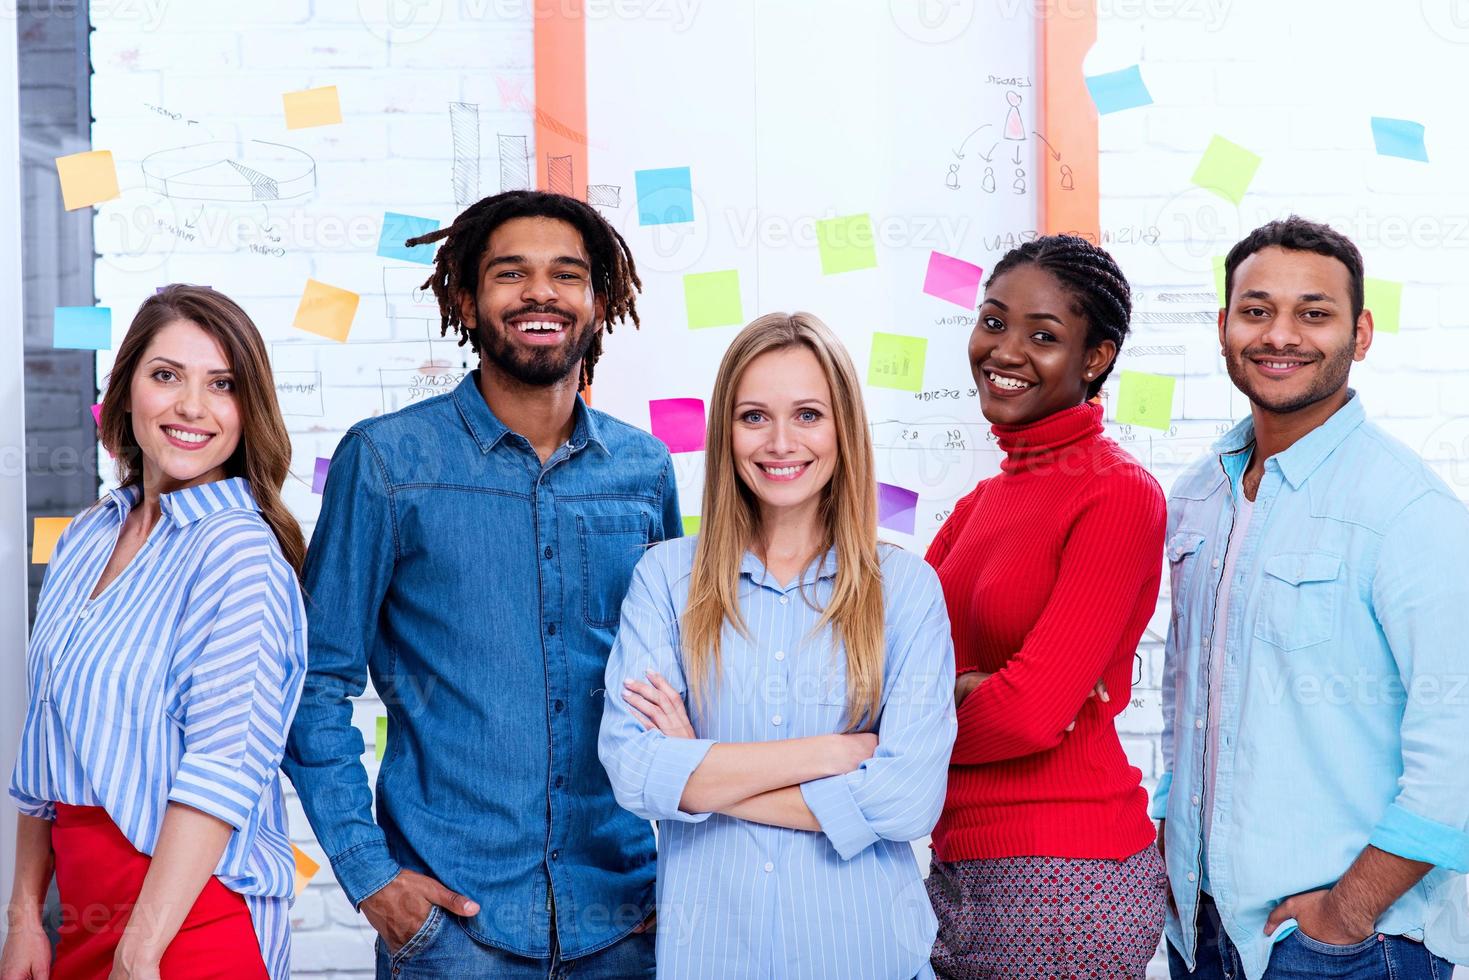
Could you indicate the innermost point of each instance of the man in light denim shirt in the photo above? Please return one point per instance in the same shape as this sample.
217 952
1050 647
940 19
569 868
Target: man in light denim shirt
1316 686
472 554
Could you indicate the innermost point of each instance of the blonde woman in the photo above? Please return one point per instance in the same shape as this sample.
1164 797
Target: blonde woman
780 693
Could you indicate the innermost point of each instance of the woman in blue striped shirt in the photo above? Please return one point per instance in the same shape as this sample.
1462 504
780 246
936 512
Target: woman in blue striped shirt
164 668
819 670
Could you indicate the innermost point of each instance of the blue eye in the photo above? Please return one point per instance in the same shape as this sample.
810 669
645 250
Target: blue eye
751 418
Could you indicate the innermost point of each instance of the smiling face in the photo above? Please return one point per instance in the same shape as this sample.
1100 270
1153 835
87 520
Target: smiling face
1287 334
535 314
1028 351
783 437
185 415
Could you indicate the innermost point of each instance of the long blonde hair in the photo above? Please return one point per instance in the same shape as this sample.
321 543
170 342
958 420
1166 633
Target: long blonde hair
731 520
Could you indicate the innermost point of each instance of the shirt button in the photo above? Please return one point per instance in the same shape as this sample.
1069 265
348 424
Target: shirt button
1196 800
780 655
555 855
775 720
784 600
559 781
1206 643
1214 563
769 866
559 705
1192 876
1198 723
84 614
548 551
551 630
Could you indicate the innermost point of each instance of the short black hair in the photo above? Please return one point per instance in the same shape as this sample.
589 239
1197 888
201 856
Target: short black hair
1296 234
1093 278
456 266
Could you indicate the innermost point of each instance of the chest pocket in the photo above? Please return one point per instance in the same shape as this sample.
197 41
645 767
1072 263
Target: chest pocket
1183 559
611 545
1298 597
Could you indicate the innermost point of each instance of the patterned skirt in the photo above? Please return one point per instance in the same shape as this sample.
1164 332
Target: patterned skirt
1048 918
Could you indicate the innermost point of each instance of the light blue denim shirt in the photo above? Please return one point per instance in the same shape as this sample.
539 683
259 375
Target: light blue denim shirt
1344 707
744 901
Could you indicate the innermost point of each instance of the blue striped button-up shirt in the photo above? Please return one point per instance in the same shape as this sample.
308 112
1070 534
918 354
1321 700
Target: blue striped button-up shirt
743 900
176 684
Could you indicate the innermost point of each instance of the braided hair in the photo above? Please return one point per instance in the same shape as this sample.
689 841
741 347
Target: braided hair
456 266
1093 278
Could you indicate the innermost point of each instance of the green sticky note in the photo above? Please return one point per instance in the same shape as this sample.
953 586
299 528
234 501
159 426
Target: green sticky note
1226 169
1145 399
897 362
691 525
380 744
846 244
1385 299
713 299
1219 280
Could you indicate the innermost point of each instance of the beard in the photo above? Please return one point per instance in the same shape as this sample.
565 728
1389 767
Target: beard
1331 374
536 366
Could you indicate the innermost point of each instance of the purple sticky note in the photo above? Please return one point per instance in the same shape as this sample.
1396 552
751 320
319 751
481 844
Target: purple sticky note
679 422
897 508
318 479
953 279
97 414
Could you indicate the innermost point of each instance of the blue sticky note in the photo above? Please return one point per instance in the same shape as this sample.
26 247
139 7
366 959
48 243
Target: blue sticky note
665 197
398 228
1118 90
1399 138
82 328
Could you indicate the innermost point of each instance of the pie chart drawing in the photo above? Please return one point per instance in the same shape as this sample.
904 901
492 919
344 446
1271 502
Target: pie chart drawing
231 171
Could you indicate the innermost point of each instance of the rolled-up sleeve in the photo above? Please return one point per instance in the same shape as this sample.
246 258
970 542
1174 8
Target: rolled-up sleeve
898 794
239 675
1420 595
647 769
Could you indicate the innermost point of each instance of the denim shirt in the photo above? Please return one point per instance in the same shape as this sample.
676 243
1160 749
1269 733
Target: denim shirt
480 589
1344 707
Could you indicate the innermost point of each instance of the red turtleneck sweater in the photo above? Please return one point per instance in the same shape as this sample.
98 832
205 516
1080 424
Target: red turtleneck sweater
1051 572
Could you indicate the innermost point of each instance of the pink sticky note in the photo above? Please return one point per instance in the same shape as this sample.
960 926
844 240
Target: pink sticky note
97 414
953 279
897 508
679 422
318 479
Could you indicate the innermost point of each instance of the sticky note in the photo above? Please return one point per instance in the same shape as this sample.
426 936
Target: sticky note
306 868
82 328
1385 299
1218 262
326 310
897 362
1399 138
691 525
665 197
846 244
953 279
97 414
318 477
1118 90
679 422
398 228
713 299
1145 399
897 508
380 741
87 179
1226 169
312 107
43 540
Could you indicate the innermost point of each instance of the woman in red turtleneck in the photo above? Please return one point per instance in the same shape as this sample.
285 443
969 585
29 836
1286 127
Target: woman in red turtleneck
1044 862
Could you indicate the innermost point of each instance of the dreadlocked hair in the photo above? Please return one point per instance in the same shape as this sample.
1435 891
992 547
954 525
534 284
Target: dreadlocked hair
1093 278
456 266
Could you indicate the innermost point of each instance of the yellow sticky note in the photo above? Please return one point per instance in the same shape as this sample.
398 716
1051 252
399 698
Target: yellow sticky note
897 362
846 243
380 743
306 868
326 310
1226 169
1219 280
1385 299
87 179
1145 399
312 107
691 525
43 541
713 299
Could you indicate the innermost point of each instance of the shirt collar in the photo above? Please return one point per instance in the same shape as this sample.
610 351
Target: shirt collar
191 503
760 575
487 430
1302 459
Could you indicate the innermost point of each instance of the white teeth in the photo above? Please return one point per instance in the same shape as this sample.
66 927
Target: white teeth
784 470
540 326
1280 365
183 436
1011 383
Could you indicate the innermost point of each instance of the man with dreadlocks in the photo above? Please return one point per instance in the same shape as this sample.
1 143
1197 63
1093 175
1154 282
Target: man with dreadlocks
471 556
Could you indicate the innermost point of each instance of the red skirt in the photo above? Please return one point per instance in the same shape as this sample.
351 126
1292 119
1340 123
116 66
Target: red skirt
100 874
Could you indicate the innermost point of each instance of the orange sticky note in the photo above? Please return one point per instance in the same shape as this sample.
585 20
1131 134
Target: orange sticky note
87 179
48 529
312 107
305 868
326 310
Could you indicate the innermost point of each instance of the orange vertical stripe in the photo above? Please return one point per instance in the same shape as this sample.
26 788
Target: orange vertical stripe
561 96
1068 201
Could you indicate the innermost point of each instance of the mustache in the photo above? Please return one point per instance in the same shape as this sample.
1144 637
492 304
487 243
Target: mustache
1286 352
533 310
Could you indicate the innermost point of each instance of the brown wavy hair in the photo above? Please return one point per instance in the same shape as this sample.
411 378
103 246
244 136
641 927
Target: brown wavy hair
263 456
